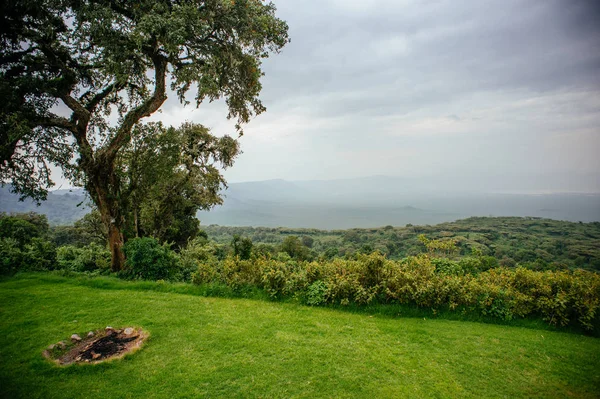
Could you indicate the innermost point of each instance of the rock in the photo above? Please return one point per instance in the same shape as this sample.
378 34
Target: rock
95 355
109 330
61 344
129 331
75 338
78 359
51 347
90 334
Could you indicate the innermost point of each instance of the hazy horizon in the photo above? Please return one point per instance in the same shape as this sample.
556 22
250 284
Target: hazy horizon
346 203
466 191
429 180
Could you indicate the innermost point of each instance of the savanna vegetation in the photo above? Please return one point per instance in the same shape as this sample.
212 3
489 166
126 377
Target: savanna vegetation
535 243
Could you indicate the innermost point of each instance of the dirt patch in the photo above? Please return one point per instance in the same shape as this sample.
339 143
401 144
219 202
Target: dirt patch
97 347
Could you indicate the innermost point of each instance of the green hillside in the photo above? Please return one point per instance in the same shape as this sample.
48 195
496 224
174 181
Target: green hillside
545 242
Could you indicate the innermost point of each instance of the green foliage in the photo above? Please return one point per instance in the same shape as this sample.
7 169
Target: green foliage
108 65
316 293
295 248
542 244
11 256
169 175
242 247
469 285
149 260
465 265
23 244
39 254
308 241
83 259
204 274
87 230
275 275
132 51
23 227
197 253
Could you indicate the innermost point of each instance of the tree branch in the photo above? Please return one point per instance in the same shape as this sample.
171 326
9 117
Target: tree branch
147 108
16 56
80 119
97 99
57 121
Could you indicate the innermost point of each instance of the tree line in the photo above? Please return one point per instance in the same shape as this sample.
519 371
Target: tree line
535 242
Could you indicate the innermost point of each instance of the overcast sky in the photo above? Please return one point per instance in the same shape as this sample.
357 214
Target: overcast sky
477 91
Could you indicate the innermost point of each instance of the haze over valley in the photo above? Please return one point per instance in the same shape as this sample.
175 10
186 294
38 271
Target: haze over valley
380 200
346 203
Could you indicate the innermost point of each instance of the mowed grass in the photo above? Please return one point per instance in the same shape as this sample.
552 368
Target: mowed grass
216 347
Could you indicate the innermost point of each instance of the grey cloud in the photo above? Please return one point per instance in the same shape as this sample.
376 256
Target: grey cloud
393 87
484 45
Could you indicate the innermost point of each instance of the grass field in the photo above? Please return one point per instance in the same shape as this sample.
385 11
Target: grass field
215 347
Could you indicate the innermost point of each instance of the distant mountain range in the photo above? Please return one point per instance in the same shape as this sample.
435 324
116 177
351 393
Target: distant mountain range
61 207
344 203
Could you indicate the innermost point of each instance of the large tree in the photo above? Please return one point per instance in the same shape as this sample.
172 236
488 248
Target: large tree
76 76
168 175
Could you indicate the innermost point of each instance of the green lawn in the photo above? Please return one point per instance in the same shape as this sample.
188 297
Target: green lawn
215 347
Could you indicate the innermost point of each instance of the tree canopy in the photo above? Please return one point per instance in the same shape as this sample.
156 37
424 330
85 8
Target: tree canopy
168 175
78 75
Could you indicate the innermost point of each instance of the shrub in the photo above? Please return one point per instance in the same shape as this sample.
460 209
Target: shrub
149 260
316 293
66 257
205 273
448 267
242 247
22 246
39 254
86 259
294 247
274 277
199 257
23 227
238 273
11 257
343 280
413 282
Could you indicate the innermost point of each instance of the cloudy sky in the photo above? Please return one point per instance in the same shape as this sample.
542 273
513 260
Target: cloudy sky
497 93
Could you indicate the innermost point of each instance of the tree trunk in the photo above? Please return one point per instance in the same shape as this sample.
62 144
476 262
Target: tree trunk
136 222
115 242
109 209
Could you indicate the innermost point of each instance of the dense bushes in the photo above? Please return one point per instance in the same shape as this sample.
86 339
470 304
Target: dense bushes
24 244
149 260
23 227
11 256
85 259
559 297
